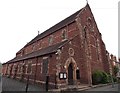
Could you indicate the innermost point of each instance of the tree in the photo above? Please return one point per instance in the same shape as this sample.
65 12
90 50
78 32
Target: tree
115 70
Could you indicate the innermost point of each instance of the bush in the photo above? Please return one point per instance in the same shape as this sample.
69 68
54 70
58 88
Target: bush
114 79
118 80
109 78
115 70
96 77
100 77
105 78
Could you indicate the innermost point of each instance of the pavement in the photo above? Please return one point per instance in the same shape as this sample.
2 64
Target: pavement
0 83
96 88
0 86
72 88
104 88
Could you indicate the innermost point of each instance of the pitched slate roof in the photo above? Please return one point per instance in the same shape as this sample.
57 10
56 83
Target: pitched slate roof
45 51
55 27
51 30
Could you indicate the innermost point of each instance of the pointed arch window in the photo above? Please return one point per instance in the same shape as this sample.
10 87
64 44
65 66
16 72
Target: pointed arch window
33 47
64 34
90 23
45 65
50 40
29 69
85 33
97 49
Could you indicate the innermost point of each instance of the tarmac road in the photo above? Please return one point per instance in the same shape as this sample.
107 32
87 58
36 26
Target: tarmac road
15 85
9 84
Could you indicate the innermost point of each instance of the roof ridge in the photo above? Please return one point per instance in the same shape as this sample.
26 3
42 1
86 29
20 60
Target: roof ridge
54 28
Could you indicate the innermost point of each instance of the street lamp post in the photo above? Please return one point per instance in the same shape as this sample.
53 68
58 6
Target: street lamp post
47 83
29 73
111 77
27 84
112 81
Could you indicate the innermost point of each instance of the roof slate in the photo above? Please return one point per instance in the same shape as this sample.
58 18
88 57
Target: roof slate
45 51
50 49
55 27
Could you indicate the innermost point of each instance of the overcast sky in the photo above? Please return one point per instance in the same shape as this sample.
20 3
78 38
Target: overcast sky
20 21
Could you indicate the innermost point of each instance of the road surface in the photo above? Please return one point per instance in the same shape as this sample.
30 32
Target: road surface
9 84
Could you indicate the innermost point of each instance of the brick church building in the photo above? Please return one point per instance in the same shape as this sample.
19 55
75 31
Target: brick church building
68 53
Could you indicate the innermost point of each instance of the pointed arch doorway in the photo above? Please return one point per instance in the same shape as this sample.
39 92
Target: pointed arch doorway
70 74
71 67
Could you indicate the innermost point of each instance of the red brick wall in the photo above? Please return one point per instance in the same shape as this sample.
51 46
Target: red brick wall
40 77
4 69
71 30
85 52
104 58
79 57
92 37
